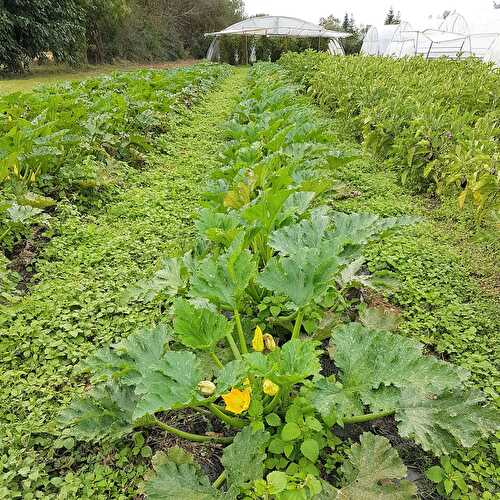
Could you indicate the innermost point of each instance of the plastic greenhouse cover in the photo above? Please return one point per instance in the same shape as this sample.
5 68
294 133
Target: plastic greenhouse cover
279 26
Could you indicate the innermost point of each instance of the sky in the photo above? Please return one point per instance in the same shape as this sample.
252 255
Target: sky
364 11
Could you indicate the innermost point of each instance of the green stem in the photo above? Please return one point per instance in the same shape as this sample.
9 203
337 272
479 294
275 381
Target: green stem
217 361
298 324
218 482
236 422
197 438
359 419
273 403
4 234
241 335
233 346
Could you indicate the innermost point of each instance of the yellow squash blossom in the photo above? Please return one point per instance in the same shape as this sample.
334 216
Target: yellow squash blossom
270 388
258 340
269 342
237 401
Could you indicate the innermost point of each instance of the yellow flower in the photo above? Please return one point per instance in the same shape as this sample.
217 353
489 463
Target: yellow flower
258 340
247 384
237 401
270 388
206 387
269 342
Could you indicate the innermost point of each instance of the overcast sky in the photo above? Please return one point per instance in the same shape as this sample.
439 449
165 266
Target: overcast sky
364 11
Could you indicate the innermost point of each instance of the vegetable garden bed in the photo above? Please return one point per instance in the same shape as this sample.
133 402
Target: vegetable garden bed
264 365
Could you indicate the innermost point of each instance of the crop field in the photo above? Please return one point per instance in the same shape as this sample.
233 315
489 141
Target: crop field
276 282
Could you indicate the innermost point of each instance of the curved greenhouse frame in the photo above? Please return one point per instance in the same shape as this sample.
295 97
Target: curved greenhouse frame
278 26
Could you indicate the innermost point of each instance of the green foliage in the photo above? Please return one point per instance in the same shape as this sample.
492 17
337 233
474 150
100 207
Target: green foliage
437 126
73 307
278 390
198 327
30 29
374 470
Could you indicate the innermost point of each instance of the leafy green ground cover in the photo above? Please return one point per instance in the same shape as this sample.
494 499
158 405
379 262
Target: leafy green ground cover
272 273
75 305
447 291
265 228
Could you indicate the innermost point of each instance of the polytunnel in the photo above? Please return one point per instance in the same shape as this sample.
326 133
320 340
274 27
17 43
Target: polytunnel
377 39
279 26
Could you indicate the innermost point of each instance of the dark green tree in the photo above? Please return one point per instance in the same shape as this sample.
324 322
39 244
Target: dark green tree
391 17
31 28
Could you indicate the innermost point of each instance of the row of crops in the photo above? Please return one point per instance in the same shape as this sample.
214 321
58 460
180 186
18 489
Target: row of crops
65 142
436 122
264 335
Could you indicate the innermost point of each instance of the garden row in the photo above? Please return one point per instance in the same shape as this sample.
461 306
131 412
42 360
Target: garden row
435 122
73 138
97 243
274 277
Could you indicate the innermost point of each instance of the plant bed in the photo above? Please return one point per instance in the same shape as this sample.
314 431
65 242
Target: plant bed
242 337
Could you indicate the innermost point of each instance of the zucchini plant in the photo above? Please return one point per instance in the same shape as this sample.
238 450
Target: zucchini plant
279 393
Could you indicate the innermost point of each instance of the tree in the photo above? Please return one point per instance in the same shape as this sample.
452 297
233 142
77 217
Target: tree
30 28
392 18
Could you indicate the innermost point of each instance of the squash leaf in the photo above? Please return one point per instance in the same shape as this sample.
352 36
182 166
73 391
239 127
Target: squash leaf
105 415
244 458
223 279
303 277
444 423
181 481
198 327
374 471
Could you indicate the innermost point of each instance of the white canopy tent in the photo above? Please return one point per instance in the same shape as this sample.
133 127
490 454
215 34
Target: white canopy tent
279 26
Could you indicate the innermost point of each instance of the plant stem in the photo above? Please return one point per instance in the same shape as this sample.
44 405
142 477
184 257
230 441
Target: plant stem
236 422
233 346
298 324
273 403
217 361
218 482
239 328
197 438
358 419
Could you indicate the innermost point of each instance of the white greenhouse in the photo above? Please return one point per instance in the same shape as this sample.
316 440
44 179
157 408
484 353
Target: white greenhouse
458 35
278 26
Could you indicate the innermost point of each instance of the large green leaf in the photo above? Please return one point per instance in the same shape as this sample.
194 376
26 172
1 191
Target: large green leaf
198 327
369 360
302 277
218 227
374 471
129 357
223 279
446 422
105 414
180 481
244 458
170 385
390 372
353 230
297 360
171 278
294 238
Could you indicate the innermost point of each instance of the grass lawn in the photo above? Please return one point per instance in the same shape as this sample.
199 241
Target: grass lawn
49 74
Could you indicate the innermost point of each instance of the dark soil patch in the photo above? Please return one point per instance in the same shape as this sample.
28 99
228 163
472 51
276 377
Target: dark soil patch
23 256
